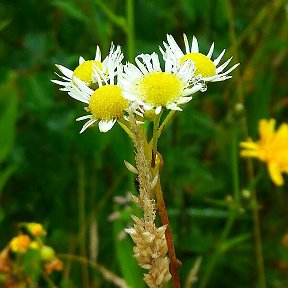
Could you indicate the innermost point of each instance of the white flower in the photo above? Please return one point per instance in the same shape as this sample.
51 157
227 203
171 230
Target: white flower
206 68
85 70
106 103
147 86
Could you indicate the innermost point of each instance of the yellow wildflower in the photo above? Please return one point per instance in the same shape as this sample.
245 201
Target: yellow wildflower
20 244
36 229
272 148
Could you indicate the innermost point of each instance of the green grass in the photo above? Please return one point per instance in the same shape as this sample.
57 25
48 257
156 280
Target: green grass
43 157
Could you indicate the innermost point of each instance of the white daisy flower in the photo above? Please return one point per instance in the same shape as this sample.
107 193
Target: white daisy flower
205 67
147 86
84 71
106 104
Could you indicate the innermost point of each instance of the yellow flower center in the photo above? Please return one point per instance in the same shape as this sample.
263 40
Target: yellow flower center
160 88
203 64
107 103
85 70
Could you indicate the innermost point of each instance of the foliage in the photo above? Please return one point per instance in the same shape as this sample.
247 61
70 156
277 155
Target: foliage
51 174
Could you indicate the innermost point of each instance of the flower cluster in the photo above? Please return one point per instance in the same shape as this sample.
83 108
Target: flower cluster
21 251
272 148
111 89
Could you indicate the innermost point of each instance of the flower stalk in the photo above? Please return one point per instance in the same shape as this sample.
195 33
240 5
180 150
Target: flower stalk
175 264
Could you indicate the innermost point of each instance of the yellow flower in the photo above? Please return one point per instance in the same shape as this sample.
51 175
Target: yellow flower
20 244
272 148
36 229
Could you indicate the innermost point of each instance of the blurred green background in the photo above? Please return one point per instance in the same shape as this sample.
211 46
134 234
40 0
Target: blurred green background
68 182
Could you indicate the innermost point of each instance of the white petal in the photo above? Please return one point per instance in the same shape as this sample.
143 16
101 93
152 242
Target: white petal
63 77
173 106
218 79
174 46
87 124
194 89
65 89
223 66
161 50
158 110
147 61
84 117
146 106
140 65
96 75
229 70
78 96
81 60
218 59
168 65
128 96
210 51
82 86
106 125
183 100
155 62
98 54
61 83
67 72
187 48
195 46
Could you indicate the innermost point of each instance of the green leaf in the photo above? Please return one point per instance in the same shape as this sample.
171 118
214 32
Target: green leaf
70 9
233 242
32 264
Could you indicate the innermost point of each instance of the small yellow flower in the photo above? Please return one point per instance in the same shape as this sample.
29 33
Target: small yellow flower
36 229
272 148
20 244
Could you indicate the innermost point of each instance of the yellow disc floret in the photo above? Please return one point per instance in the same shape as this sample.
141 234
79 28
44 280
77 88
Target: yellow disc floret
160 88
203 64
85 70
108 103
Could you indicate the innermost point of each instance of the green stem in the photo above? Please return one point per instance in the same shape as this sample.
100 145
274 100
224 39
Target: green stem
155 137
130 29
217 254
233 213
234 164
48 280
124 126
250 172
166 121
258 242
117 20
82 221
